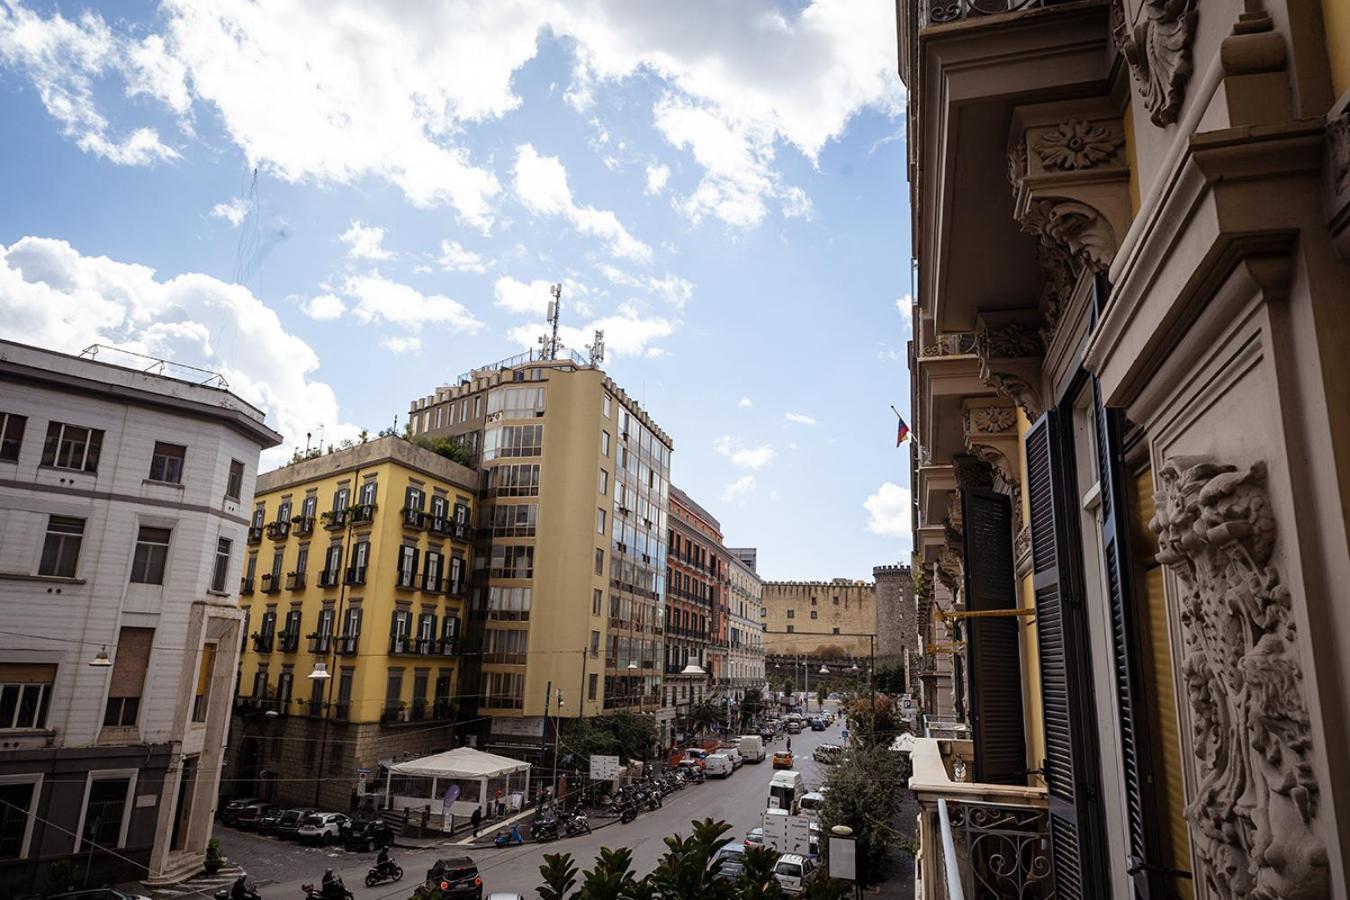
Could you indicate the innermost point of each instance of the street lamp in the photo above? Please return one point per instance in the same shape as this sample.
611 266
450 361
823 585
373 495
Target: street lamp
101 660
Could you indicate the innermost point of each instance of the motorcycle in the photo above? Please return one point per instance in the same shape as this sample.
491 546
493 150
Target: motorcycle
577 824
250 892
544 829
341 892
382 872
508 838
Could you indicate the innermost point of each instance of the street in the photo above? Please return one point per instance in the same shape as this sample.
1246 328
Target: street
281 868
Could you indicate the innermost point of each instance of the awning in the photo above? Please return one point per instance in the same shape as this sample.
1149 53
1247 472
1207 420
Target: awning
462 762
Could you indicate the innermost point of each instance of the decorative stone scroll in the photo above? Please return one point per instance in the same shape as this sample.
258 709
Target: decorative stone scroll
1076 227
1254 812
1158 49
1011 351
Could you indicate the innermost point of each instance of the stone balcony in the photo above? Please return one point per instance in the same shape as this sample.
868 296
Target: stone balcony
976 840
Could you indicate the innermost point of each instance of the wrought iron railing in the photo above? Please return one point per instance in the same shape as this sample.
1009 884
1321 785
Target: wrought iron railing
951 343
1001 851
937 12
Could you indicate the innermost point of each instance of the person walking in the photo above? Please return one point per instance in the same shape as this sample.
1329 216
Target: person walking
476 819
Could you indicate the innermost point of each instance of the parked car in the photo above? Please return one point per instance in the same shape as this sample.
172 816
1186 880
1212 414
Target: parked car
97 894
756 837
288 826
457 878
730 750
729 862
811 804
827 754
322 828
751 747
368 835
793 871
794 726
249 816
270 819
782 759
718 765
817 724
231 809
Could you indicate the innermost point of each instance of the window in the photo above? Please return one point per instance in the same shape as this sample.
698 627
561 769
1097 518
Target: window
332 564
813 614
604 444
511 562
599 521
341 498
128 676
508 604
25 695
413 498
455 584
11 438
513 480
152 551
595 643
592 682
599 561
512 441
514 403
606 402
234 485
503 690
166 463
431 577
604 482
835 630
791 629
367 493
61 549
72 447
836 601
511 519
597 597
407 566
105 810
792 614
302 560
201 697
16 813
222 566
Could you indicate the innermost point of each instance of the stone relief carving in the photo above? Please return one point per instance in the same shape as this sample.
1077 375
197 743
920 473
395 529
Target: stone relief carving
990 420
1075 226
1077 145
1014 388
1158 49
1338 137
1013 339
1254 812
1017 165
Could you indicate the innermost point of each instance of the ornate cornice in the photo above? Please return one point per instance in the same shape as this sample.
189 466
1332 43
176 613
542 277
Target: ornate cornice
1158 49
1011 351
1076 145
1254 816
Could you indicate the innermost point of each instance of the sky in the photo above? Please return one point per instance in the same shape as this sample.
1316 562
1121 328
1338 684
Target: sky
342 205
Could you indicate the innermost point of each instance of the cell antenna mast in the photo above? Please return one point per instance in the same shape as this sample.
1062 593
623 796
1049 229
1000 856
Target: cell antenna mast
554 314
597 348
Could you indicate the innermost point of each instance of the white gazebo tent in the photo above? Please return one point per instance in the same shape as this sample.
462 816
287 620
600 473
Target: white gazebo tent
481 778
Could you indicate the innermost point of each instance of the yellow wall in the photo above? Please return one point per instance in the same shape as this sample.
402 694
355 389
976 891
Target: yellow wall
1030 645
378 597
1336 20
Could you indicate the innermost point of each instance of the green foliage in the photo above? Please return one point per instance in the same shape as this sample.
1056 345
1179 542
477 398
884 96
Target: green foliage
686 872
213 854
752 704
756 881
62 874
890 679
704 715
611 878
864 794
873 720
621 734
559 875
450 449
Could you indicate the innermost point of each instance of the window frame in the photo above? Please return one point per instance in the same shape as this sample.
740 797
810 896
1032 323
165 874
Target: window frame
56 438
181 459
220 569
62 540
36 780
234 481
148 561
8 421
93 775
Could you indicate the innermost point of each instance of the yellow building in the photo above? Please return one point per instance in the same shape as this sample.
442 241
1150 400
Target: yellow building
357 567
570 560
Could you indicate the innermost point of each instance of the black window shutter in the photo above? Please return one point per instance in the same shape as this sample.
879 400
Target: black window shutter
1142 816
1072 770
992 652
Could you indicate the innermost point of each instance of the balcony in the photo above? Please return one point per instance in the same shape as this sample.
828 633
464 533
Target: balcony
320 644
355 575
271 583
335 519
431 585
255 533
414 518
328 578
295 581
977 840
288 641
346 644
245 586
303 525
940 12
278 530
407 582
262 642
363 513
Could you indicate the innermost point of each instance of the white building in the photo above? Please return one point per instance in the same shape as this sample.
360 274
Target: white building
123 516
745 630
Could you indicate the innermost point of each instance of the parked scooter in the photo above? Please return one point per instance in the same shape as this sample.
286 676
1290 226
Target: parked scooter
544 828
385 869
576 824
240 890
507 838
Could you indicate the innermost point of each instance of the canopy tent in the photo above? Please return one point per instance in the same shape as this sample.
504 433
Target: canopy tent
481 779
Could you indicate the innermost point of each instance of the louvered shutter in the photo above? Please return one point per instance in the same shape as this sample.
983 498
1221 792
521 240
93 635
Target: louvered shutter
992 651
1135 748
1072 770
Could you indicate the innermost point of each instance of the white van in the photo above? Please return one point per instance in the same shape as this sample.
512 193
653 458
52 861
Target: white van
752 748
717 765
785 791
811 804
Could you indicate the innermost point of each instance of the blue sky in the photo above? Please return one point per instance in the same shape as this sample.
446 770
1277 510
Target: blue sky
719 186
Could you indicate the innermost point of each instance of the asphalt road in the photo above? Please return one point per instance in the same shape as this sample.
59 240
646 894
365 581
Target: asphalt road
280 868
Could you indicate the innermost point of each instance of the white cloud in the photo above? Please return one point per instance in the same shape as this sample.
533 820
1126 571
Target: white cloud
365 241
232 212
905 303
519 297
734 449
672 288
886 354
799 418
323 308
657 176
379 299
739 488
889 511
57 298
745 403
63 58
402 344
454 258
627 332
541 185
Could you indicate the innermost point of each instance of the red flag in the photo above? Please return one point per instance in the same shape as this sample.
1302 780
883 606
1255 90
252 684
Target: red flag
902 433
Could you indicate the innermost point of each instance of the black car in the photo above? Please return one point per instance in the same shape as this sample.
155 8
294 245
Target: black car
368 835
270 819
289 824
457 878
230 811
248 817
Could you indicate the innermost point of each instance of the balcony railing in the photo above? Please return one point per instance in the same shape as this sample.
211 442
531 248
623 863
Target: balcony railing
279 530
356 575
951 343
271 583
977 840
346 644
937 12
414 518
446 527
303 524
245 586
255 533
320 643
328 578
363 513
262 643
335 519
295 581
407 582
288 641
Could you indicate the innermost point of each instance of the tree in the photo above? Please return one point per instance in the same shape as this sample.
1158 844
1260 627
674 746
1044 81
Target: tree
687 871
620 734
752 704
559 875
874 720
611 878
703 716
890 679
864 794
451 449
757 881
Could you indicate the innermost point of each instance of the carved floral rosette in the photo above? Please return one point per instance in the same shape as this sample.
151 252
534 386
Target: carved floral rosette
1254 808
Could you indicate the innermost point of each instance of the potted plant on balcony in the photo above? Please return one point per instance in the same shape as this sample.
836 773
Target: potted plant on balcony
213 861
283 637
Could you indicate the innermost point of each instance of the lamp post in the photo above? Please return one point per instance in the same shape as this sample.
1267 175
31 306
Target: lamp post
692 668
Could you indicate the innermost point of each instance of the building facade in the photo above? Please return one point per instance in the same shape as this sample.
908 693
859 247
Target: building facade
124 501
357 569
1133 439
827 620
570 559
745 626
695 574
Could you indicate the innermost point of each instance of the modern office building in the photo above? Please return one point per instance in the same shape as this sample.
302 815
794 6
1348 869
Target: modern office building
353 590
124 500
1131 224
570 560
745 626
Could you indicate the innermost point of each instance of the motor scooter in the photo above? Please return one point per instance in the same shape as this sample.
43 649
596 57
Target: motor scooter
384 871
507 838
577 824
250 892
544 829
